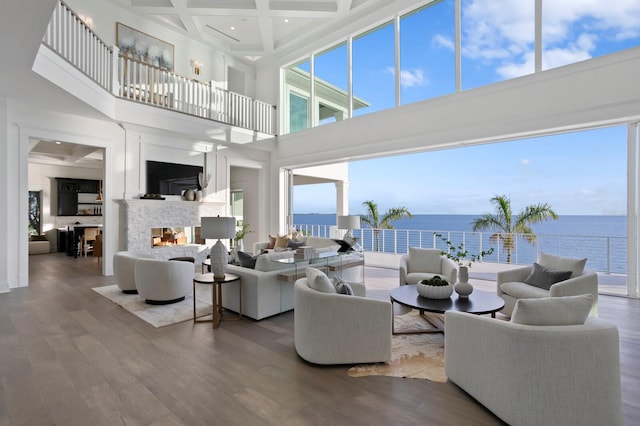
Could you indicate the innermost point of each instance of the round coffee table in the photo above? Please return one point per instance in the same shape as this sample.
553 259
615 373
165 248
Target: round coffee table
478 302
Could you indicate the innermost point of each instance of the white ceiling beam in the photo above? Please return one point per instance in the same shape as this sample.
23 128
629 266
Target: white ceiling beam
344 7
265 24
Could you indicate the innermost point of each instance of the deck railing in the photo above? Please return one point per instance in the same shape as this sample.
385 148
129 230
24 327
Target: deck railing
71 38
604 253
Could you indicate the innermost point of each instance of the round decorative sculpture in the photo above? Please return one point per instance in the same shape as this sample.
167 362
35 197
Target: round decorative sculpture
434 291
190 194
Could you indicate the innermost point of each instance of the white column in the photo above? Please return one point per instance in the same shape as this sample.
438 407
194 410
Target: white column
4 186
342 198
633 197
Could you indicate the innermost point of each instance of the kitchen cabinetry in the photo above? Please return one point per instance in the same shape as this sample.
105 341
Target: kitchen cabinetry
77 197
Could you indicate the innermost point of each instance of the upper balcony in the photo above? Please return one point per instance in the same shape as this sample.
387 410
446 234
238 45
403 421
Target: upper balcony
231 117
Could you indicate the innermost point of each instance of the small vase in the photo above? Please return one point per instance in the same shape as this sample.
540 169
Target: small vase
190 195
198 195
463 287
463 274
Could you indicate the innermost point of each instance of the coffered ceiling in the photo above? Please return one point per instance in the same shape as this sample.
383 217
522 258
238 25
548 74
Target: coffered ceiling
65 154
250 28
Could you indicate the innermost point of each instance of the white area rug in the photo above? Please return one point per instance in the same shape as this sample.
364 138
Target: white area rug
416 356
160 315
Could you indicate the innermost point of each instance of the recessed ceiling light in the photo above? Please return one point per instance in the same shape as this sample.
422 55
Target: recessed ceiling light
286 20
58 143
233 28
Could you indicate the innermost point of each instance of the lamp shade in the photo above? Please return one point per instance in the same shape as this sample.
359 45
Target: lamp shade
348 222
218 227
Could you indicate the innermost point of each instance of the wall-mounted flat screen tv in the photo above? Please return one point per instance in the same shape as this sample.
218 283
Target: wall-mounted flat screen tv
171 178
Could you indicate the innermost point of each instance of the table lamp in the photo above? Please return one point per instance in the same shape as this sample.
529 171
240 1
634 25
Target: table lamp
218 228
348 223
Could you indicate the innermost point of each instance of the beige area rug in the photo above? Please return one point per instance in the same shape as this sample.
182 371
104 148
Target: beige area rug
415 356
160 315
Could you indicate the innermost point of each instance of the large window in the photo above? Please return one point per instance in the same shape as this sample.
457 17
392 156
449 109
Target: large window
497 43
427 52
297 89
298 112
575 31
497 40
330 84
35 225
374 70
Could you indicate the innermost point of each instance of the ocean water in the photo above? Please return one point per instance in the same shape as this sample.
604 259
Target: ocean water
601 239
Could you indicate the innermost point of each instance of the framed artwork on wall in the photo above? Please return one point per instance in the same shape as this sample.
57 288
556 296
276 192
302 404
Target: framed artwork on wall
144 48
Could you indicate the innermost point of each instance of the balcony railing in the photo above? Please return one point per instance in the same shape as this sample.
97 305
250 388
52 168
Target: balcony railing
604 253
127 78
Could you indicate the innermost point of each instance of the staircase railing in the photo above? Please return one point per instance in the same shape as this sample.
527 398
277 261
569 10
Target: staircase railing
71 38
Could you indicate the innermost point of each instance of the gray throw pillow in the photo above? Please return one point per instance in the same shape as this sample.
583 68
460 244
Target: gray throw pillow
246 260
566 310
544 278
342 287
294 245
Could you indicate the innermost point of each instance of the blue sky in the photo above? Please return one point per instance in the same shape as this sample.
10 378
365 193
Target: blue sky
577 173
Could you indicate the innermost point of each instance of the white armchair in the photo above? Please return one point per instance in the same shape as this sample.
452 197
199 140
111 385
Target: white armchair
420 264
124 263
333 328
537 374
511 285
160 282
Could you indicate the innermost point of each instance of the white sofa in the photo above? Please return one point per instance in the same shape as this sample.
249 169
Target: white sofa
263 293
534 375
320 244
511 285
420 264
333 328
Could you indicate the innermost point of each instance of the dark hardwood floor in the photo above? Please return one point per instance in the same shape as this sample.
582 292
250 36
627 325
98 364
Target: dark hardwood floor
68 356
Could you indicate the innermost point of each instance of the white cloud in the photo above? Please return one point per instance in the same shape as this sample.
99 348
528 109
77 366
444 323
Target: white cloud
501 32
525 161
410 78
442 41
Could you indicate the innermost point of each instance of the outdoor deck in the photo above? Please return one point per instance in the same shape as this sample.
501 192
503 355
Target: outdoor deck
381 275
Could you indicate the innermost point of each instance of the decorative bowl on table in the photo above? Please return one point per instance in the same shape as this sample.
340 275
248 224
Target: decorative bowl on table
434 288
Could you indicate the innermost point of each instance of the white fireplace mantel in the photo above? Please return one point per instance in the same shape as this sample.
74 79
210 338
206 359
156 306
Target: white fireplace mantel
142 215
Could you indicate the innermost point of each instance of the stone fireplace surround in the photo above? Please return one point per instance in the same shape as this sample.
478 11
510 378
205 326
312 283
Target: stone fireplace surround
142 215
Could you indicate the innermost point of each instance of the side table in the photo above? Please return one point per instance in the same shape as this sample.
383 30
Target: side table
216 296
206 263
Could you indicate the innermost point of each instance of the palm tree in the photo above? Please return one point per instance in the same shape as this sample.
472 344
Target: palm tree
506 226
373 219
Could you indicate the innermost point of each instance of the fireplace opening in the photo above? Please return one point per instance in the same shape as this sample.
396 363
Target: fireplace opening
175 236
